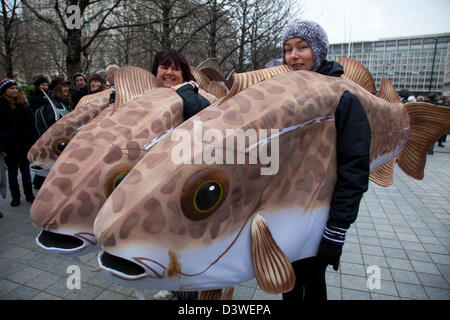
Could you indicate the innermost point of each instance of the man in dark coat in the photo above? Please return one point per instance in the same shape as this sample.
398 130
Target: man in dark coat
81 88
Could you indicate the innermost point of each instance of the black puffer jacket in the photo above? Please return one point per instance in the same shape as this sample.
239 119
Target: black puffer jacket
193 101
45 116
17 131
353 158
78 94
37 100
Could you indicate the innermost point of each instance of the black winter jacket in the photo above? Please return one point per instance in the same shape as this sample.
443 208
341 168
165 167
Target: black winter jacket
193 101
78 94
45 116
17 132
353 157
37 100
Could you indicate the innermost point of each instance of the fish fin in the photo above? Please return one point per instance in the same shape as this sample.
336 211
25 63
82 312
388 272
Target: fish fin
244 80
217 89
200 78
210 294
358 73
384 175
428 122
387 91
217 294
212 69
273 270
227 294
90 97
131 82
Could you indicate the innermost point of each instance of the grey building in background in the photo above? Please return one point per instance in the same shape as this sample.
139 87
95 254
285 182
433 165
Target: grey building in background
418 63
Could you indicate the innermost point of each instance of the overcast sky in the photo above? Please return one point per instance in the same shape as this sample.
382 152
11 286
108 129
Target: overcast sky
361 20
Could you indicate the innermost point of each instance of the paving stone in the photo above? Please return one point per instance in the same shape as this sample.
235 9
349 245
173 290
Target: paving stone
24 275
334 293
433 280
7 286
395 253
405 276
425 267
45 296
372 250
354 282
439 258
21 293
348 294
402 264
110 295
437 294
411 291
44 280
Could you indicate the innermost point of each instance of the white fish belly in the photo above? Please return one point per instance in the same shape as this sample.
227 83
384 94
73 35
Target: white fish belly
297 233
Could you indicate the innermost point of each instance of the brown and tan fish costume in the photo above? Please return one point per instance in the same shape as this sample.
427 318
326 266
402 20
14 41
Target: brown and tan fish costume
52 142
98 157
187 226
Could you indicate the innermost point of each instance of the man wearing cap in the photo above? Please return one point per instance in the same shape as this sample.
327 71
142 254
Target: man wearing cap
81 87
59 105
305 47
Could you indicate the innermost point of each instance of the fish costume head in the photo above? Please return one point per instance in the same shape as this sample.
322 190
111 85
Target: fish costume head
98 158
43 154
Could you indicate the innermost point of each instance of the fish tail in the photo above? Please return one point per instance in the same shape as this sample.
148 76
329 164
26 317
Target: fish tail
428 122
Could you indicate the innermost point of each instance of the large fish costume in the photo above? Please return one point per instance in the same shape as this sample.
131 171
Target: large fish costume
52 142
179 225
97 159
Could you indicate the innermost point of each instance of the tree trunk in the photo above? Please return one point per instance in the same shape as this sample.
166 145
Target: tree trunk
73 58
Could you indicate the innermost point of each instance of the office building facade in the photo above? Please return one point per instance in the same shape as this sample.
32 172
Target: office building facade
418 63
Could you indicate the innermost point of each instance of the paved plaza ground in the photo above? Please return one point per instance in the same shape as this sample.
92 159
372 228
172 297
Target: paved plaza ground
402 229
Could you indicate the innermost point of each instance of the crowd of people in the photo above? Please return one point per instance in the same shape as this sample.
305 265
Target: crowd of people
304 47
24 119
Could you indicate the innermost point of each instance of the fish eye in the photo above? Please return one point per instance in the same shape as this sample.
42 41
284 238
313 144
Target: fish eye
207 196
114 177
203 193
119 179
60 146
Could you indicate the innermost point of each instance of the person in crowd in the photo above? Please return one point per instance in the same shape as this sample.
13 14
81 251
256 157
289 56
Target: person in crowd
96 83
172 70
305 47
58 106
81 87
17 135
110 71
37 97
37 100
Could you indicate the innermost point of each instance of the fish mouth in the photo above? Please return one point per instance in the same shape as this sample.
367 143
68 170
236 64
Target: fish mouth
40 169
61 244
128 270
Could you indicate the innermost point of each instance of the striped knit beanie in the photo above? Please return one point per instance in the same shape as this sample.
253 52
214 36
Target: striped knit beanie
314 35
5 83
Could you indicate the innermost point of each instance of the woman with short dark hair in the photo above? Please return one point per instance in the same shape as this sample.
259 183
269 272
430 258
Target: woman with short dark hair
172 70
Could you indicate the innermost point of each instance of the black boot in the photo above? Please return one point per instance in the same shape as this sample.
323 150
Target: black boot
28 190
15 193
